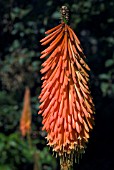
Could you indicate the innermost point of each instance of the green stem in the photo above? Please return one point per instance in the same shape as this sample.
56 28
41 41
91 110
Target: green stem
64 20
29 140
37 165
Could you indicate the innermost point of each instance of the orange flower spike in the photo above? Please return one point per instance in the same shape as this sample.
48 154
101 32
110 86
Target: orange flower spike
25 121
66 103
50 37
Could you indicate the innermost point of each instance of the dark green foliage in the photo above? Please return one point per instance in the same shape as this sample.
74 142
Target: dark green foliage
16 154
22 25
9 113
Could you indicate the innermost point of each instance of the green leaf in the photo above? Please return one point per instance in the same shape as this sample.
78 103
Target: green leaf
19 12
109 62
5 167
104 88
56 15
21 60
104 76
15 45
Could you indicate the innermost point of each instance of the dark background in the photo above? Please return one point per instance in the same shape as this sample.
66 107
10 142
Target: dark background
22 25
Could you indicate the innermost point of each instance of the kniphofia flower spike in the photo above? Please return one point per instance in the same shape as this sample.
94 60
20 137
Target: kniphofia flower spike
25 122
66 103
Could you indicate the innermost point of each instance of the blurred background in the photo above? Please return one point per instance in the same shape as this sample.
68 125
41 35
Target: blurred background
22 25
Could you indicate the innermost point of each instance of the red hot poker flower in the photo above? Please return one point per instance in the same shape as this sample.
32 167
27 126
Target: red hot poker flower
25 122
66 103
